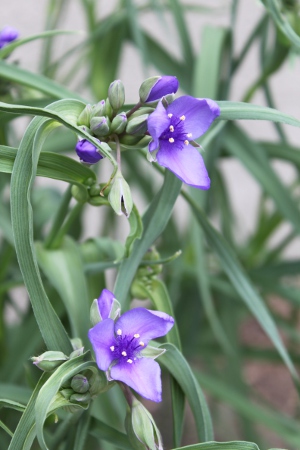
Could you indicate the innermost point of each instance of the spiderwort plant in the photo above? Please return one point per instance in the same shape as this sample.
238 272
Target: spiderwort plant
121 348
172 128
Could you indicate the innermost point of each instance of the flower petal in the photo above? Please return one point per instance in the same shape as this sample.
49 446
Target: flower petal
102 338
165 85
145 323
199 113
142 375
158 121
105 302
186 163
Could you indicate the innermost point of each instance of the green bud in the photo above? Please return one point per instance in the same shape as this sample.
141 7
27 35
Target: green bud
76 343
129 140
95 190
49 361
118 124
120 196
100 126
98 110
141 429
81 398
98 201
80 193
108 109
138 125
116 95
85 116
77 352
80 384
142 111
66 393
89 182
98 383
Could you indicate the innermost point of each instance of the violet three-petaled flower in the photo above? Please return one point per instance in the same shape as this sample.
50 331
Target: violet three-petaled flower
119 345
172 129
7 35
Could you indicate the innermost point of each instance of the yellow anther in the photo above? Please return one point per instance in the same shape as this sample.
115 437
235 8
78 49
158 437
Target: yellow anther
171 140
142 344
186 142
136 335
119 332
171 128
182 117
124 353
129 361
170 115
189 135
112 348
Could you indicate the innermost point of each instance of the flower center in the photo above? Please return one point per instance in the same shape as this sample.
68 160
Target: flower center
176 130
126 348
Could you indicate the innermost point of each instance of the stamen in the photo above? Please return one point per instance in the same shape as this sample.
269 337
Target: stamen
182 117
119 332
129 361
136 335
171 140
186 142
170 115
189 135
171 128
124 353
112 348
141 343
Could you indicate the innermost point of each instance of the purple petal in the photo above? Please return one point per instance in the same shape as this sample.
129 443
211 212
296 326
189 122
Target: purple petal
143 375
105 302
199 113
8 34
87 152
186 163
164 86
168 319
158 121
145 323
102 338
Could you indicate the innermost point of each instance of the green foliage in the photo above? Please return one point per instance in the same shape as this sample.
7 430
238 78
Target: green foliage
213 284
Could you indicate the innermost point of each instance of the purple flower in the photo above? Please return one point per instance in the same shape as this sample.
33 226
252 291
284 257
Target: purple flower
87 152
172 129
7 35
105 302
154 88
119 346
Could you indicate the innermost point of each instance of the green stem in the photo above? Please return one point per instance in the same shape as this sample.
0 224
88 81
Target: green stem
59 218
66 226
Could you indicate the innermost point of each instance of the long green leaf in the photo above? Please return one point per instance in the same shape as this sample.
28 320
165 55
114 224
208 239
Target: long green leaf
176 364
233 445
242 284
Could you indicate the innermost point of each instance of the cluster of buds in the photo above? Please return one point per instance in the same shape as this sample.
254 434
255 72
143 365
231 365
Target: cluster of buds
111 124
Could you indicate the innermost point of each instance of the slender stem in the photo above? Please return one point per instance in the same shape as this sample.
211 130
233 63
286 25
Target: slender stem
66 226
127 393
117 167
132 110
59 218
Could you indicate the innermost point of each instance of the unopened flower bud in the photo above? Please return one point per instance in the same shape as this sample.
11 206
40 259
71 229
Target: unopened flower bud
100 126
81 398
98 383
154 88
80 193
87 152
85 116
138 125
7 35
118 124
141 429
129 140
49 361
116 95
98 110
66 393
80 384
108 109
120 196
